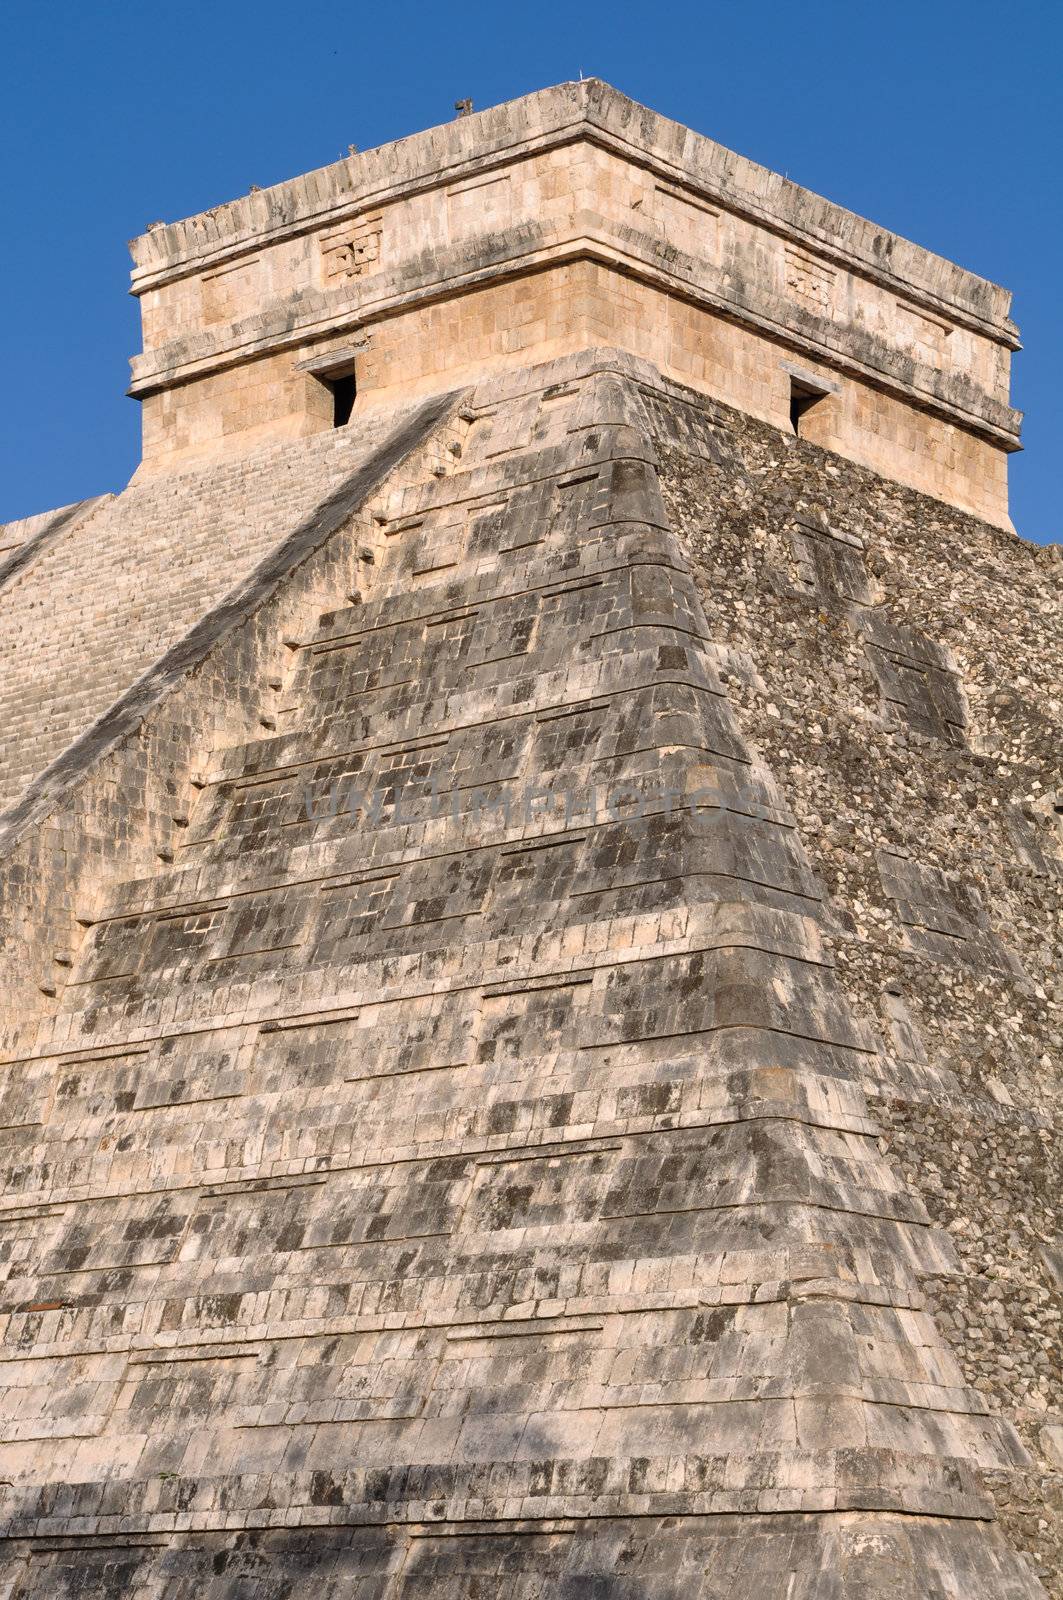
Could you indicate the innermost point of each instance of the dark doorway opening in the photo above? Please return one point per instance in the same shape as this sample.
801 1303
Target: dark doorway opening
344 390
802 399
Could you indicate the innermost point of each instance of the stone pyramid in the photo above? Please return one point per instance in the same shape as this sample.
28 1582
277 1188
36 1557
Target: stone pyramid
529 1062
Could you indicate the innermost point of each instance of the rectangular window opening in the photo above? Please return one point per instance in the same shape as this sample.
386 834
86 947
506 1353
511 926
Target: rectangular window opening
344 390
802 399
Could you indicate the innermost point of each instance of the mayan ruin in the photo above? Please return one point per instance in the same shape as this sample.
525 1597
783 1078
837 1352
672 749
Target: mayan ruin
531 907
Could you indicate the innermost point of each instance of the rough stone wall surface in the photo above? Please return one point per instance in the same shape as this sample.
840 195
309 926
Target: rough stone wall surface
482 1159
900 668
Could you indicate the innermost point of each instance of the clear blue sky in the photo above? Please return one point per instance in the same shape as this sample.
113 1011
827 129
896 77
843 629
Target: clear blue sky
939 120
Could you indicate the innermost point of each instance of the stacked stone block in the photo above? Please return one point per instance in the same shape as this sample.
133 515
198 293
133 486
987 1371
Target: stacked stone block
455 1170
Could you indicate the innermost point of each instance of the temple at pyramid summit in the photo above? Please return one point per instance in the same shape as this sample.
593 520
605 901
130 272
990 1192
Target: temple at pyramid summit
531 908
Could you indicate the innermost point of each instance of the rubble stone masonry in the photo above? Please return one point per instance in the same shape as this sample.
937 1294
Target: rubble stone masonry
531 921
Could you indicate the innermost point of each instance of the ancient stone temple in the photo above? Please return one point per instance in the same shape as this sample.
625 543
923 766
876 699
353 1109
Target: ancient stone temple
532 881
